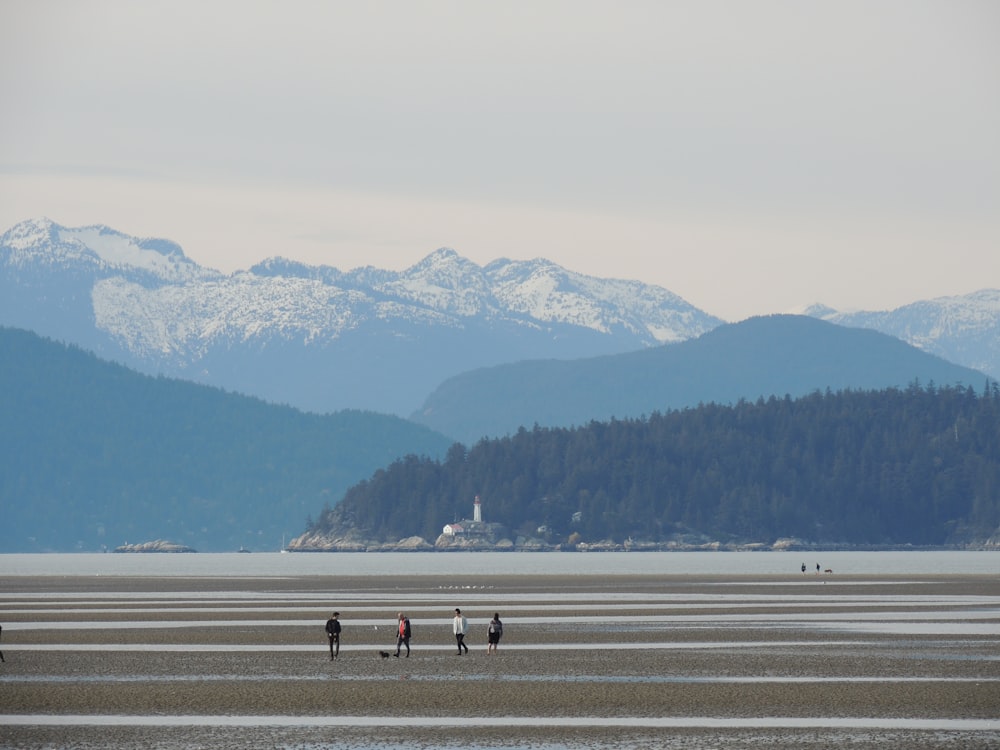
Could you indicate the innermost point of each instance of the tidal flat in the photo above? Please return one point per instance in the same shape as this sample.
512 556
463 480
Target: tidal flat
632 661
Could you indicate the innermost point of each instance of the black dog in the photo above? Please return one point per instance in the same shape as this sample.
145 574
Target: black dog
384 654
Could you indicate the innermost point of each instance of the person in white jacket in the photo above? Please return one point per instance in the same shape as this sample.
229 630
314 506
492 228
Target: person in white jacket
459 626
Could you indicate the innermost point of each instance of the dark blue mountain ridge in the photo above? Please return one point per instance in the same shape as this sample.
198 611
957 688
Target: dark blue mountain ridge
963 329
95 455
759 357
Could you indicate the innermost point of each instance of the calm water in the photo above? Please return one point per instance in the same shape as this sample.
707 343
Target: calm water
269 564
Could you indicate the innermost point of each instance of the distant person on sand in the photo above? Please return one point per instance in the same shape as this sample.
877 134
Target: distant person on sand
333 634
459 626
803 567
403 634
817 567
1 652
493 634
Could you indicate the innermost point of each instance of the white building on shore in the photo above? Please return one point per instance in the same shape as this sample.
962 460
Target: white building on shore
467 526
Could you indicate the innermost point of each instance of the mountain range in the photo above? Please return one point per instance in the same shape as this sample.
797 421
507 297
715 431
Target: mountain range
321 339
95 453
318 338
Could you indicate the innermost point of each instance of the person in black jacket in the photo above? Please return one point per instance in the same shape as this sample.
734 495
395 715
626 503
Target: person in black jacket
493 634
333 633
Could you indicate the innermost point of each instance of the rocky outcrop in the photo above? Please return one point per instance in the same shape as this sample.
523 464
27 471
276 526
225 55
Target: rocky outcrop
449 542
409 544
992 542
354 541
159 545
350 541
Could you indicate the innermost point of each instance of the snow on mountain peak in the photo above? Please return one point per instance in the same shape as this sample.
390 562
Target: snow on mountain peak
443 281
443 289
815 310
164 313
42 240
546 291
986 300
29 234
161 258
444 267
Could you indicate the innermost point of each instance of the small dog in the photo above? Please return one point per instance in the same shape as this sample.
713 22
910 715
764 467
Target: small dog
384 654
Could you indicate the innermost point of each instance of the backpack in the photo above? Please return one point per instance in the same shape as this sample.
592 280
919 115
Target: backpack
406 628
496 627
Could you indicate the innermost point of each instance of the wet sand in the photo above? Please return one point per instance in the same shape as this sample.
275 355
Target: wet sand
744 660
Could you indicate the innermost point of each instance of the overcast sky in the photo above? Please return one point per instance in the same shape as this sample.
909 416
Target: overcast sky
752 157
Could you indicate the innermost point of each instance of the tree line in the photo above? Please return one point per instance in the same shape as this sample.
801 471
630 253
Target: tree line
916 465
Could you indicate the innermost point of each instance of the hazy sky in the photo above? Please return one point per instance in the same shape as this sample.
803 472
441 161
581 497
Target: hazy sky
751 157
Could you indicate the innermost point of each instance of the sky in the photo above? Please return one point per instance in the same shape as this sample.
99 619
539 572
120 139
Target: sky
751 157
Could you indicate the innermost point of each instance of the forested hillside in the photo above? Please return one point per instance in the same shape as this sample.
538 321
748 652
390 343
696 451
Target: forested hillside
93 454
918 465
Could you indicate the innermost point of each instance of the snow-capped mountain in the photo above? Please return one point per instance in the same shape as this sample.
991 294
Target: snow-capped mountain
319 338
963 329
43 244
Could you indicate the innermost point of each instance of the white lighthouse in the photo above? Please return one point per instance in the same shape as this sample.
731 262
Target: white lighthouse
477 511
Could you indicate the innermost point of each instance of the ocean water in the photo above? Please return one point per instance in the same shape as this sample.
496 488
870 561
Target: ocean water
270 564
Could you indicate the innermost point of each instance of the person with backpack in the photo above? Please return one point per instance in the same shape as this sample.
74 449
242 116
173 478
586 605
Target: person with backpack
403 635
333 634
493 634
459 626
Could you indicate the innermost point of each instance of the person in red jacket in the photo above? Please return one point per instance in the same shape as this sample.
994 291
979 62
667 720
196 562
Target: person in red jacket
403 635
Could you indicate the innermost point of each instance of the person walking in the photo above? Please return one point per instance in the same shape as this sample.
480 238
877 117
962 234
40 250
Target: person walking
333 634
459 626
1 652
493 634
403 634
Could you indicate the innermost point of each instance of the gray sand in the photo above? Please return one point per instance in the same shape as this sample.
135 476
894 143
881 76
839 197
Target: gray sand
811 673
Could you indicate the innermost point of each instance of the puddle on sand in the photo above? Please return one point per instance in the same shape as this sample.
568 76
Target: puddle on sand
706 722
560 678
